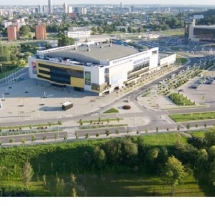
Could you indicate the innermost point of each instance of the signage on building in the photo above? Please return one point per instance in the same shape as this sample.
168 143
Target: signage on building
87 78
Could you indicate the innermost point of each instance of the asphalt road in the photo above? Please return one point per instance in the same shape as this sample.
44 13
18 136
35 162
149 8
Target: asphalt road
28 137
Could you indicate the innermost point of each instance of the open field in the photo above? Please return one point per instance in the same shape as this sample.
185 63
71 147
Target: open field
175 32
165 139
192 116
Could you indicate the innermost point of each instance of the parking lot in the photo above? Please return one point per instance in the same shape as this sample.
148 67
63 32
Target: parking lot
203 94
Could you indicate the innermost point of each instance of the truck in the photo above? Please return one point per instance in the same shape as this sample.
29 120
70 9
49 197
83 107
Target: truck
67 105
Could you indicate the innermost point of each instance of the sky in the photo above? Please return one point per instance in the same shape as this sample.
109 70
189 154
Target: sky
45 2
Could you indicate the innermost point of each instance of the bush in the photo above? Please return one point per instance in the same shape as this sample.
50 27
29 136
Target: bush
126 107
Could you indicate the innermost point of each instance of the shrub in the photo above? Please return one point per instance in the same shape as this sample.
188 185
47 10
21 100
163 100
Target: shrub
33 138
112 110
11 140
97 134
65 137
23 140
126 107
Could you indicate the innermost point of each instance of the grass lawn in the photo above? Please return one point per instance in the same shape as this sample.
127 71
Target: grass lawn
134 185
112 110
116 185
199 133
176 32
181 60
100 120
192 116
166 139
179 99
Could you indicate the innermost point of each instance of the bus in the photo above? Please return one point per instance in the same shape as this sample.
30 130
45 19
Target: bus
67 105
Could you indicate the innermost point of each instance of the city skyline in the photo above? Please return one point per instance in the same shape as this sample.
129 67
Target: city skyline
59 2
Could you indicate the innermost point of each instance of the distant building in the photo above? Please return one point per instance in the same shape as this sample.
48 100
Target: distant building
10 14
198 17
65 8
40 32
78 32
72 15
12 32
80 10
200 33
36 10
50 11
132 9
40 8
70 9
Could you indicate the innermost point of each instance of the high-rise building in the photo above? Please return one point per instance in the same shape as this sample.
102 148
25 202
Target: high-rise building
40 31
132 8
10 14
50 6
80 10
65 8
40 8
70 9
12 32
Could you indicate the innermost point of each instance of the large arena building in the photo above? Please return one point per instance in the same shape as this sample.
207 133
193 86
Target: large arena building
200 33
95 67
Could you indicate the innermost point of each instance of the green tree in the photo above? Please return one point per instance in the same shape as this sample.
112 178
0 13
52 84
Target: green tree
27 173
33 138
11 140
23 140
74 193
65 137
210 136
99 157
76 135
202 158
65 41
81 122
157 129
212 172
173 172
211 152
24 30
55 136
107 132
86 135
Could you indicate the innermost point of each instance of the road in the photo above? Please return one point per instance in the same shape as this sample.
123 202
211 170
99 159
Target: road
28 137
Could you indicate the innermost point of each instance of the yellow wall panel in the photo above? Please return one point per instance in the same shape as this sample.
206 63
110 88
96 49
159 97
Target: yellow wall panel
44 69
77 82
44 75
